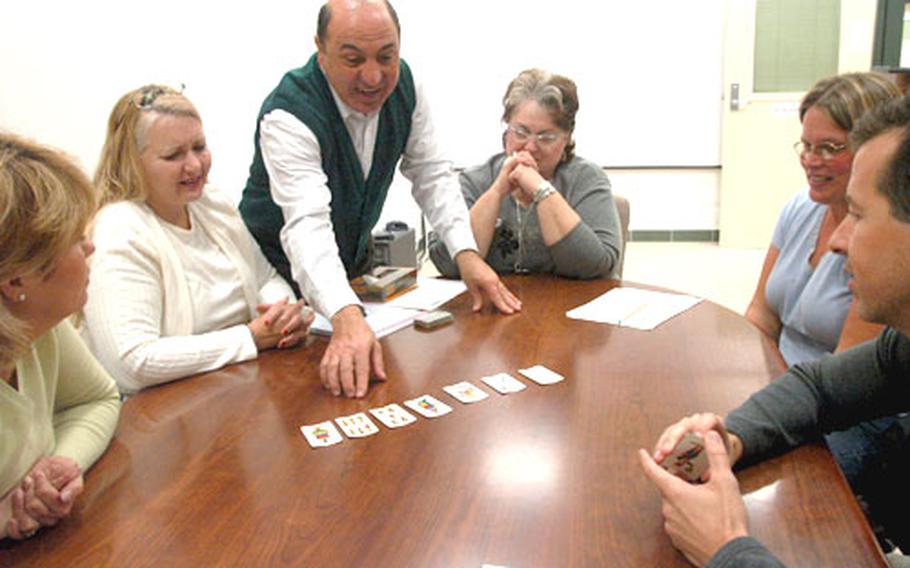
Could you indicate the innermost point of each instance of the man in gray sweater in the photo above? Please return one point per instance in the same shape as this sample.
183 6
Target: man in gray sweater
708 522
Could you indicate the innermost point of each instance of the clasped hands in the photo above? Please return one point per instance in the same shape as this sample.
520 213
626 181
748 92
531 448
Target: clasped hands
282 324
44 496
700 519
519 177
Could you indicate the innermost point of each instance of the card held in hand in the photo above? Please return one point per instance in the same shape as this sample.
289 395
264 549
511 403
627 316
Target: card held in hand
393 415
428 406
688 459
541 375
322 434
504 383
465 392
357 425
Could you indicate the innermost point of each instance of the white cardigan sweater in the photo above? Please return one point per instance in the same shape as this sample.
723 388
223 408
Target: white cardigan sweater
139 318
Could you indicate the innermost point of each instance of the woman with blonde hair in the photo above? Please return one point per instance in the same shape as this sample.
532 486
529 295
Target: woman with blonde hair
178 285
59 407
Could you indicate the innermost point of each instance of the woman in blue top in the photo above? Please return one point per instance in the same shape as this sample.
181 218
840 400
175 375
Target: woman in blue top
802 301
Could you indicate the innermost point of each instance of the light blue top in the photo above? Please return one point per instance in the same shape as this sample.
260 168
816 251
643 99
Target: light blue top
812 304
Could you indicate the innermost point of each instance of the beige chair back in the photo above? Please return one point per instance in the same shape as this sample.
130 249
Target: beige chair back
622 207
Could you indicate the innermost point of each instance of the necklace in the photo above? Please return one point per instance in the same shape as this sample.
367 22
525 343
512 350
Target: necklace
518 268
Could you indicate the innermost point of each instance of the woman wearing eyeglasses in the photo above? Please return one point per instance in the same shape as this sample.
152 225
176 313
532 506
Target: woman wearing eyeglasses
178 284
58 406
537 207
802 301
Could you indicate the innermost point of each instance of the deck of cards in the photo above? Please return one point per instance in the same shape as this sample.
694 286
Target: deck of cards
359 425
688 459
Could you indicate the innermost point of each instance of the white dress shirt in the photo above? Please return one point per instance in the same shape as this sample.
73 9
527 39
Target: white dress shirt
299 186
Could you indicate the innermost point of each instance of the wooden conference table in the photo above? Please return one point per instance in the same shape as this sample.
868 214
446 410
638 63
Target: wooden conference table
213 471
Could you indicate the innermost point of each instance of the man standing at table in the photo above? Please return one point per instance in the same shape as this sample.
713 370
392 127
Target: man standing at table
327 142
708 522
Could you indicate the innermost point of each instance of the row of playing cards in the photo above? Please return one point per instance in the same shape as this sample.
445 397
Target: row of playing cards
393 415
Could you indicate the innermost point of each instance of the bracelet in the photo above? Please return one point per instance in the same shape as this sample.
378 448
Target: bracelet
544 190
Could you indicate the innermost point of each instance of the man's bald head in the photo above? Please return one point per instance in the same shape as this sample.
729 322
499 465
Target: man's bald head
359 53
325 14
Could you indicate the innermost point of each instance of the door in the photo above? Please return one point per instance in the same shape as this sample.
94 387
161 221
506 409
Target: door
760 171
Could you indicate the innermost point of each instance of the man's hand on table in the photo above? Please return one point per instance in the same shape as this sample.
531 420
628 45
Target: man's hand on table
484 284
353 353
700 519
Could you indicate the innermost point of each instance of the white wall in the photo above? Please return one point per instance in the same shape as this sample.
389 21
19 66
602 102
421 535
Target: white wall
671 199
64 65
648 75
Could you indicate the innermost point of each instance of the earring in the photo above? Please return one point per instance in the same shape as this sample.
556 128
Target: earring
21 297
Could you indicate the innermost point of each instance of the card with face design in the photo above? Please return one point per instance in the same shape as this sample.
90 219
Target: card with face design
322 434
357 425
428 406
541 375
688 459
465 392
393 415
504 383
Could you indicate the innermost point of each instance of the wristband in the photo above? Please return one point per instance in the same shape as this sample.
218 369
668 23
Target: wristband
544 190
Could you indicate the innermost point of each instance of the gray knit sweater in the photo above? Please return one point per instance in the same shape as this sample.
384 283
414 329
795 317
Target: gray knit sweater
590 250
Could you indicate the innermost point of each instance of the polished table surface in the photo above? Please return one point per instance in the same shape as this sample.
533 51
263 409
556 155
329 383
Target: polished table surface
213 471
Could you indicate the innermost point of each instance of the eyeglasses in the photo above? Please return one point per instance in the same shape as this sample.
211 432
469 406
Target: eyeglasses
149 94
544 139
825 150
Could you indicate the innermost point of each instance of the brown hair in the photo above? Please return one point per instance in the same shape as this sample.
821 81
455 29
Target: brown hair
894 180
46 201
845 98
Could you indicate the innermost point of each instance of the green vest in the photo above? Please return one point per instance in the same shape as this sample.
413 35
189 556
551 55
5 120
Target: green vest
356 203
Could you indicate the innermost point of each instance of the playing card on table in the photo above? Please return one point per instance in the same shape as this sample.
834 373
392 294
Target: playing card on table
322 434
428 406
357 425
688 459
504 383
393 415
541 375
465 392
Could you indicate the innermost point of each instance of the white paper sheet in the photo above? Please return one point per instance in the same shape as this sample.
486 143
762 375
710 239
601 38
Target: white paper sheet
633 307
429 294
389 317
